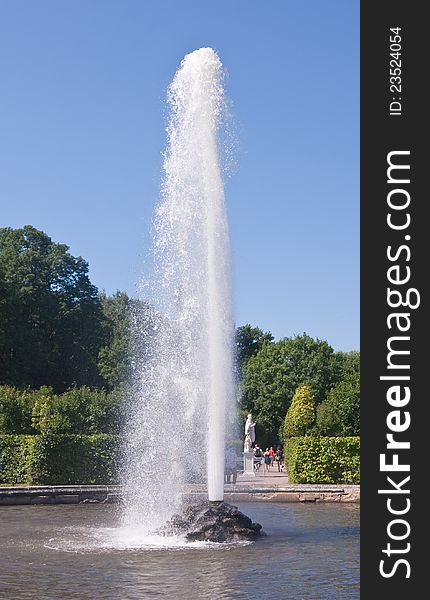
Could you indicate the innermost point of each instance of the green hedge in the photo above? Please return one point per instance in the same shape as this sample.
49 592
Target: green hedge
81 410
59 459
323 459
16 409
16 456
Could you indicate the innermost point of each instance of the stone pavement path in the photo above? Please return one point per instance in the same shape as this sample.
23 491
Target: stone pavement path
273 477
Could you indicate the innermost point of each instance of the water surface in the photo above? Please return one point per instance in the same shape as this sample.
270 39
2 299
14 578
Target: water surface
77 552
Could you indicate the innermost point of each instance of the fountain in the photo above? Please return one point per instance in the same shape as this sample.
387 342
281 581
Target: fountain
180 409
184 385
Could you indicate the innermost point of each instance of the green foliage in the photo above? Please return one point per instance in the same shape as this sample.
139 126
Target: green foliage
79 410
129 325
323 459
58 455
277 370
15 410
113 358
59 459
301 414
50 329
348 363
16 457
339 414
249 340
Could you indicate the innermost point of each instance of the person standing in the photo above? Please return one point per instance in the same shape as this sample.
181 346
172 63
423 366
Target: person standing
280 459
266 460
258 457
272 455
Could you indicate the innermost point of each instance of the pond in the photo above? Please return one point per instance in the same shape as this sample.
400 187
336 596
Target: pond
78 552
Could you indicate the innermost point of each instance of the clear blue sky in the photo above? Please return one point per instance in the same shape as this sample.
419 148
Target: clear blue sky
82 128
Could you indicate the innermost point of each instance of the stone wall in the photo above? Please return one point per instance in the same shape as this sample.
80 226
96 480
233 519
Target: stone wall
75 494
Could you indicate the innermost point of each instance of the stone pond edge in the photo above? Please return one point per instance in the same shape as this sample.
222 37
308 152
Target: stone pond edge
103 494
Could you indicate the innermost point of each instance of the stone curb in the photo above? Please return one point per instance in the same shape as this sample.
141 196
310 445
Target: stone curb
97 494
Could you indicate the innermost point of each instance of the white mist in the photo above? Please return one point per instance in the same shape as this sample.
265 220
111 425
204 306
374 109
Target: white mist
184 383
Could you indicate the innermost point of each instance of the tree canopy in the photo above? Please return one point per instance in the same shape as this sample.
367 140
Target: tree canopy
249 340
50 329
339 414
277 370
114 355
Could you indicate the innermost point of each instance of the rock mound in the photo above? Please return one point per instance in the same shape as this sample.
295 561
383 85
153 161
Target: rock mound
212 522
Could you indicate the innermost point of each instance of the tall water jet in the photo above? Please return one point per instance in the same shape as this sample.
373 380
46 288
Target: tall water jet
184 383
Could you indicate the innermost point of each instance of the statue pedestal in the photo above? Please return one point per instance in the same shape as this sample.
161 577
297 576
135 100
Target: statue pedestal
248 464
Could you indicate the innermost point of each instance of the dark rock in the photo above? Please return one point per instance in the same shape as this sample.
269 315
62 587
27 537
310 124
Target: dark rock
216 522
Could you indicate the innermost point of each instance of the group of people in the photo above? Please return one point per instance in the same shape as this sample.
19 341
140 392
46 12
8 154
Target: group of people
268 458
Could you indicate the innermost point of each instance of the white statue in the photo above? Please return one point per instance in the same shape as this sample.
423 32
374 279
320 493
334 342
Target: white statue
249 434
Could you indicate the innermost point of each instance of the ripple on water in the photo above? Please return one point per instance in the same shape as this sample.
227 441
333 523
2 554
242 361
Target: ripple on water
120 539
311 552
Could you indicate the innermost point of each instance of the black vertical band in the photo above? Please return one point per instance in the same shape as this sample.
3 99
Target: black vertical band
394 251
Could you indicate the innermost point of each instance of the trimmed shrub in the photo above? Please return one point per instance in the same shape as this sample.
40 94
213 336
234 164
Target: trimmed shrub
59 459
323 459
301 414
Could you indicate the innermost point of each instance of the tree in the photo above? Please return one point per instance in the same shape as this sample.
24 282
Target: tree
348 363
301 414
114 356
129 328
277 370
249 340
339 414
50 330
